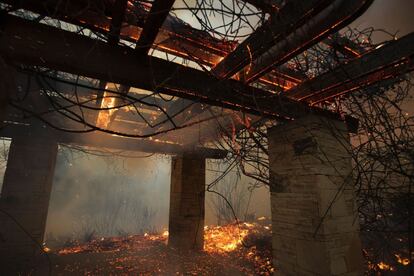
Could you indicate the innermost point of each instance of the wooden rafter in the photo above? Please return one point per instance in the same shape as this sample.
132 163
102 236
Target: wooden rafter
173 38
391 60
156 17
72 53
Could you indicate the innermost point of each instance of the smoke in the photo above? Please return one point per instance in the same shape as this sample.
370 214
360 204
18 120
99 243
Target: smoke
94 196
108 195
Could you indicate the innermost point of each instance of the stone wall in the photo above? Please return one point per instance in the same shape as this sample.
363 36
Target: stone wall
314 217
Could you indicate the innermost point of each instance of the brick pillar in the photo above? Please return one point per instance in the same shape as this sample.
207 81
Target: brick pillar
25 197
186 225
311 179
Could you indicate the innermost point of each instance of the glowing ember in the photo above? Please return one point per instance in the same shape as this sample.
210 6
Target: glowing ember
384 266
235 249
401 260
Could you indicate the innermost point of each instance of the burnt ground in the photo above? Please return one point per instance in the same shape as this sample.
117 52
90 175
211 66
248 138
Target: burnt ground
230 250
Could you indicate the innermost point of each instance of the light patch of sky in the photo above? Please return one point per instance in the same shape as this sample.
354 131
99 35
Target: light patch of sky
230 19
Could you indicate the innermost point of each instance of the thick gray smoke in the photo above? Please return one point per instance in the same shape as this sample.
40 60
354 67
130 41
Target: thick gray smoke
106 196
96 196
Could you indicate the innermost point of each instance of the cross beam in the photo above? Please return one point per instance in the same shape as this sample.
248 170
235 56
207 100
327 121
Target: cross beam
157 15
30 43
391 60
285 35
175 37
332 18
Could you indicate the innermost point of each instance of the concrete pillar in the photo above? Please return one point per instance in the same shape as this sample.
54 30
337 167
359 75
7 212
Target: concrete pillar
186 225
315 222
24 199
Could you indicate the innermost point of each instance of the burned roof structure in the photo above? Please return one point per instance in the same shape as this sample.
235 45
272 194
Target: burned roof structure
110 41
141 76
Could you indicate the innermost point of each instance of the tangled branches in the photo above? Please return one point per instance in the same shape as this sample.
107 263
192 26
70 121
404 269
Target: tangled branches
382 153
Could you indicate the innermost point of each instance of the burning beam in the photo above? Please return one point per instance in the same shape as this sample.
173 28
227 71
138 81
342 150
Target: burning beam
30 43
157 15
265 37
175 37
341 44
103 100
285 35
393 59
333 17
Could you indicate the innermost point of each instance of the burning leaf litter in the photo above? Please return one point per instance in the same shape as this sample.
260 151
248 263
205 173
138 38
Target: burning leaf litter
234 249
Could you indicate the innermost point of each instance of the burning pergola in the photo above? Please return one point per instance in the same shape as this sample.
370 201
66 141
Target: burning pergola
140 75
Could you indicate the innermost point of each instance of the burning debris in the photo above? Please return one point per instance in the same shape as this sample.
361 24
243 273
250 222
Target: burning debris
234 249
397 265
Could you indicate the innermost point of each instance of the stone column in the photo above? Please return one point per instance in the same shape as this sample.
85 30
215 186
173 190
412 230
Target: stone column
186 225
314 217
24 198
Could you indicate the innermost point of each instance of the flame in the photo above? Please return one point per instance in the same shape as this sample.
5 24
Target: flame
384 266
217 239
108 104
226 238
401 260
236 244
223 239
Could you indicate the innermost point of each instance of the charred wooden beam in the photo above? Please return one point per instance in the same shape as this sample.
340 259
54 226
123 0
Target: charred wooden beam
118 15
391 60
287 19
330 19
345 46
102 140
156 17
175 37
297 26
341 44
249 49
30 43
96 15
